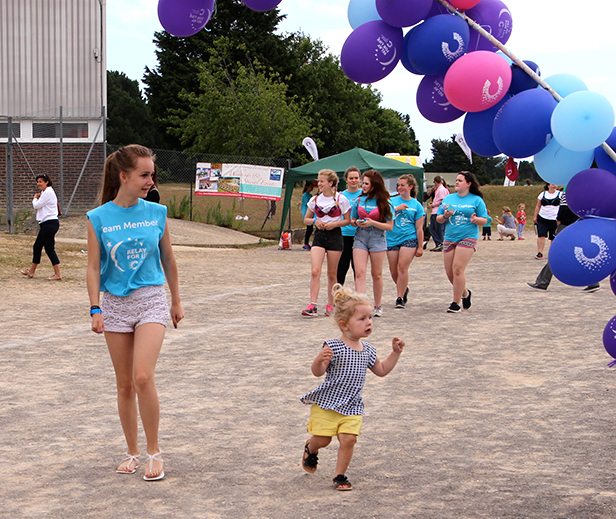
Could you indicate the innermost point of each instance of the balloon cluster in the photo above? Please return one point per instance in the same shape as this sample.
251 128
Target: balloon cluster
187 17
505 112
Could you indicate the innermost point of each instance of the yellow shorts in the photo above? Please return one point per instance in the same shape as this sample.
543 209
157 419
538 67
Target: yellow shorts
325 422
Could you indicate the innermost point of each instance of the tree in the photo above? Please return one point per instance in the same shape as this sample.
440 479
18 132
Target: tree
240 111
128 116
448 157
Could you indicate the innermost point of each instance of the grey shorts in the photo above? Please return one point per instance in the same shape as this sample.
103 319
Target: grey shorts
123 314
370 239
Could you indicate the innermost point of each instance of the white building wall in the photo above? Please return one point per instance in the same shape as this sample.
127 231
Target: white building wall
52 55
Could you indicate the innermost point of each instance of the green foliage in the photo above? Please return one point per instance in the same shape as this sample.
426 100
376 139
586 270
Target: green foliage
128 116
181 212
240 110
216 216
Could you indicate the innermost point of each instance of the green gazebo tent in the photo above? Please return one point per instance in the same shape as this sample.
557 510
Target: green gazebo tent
362 159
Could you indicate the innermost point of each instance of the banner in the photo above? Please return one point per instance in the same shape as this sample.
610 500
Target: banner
241 180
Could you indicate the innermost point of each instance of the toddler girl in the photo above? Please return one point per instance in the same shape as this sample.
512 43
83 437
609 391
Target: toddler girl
521 219
337 405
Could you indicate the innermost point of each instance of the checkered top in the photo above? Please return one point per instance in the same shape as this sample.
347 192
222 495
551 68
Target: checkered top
344 379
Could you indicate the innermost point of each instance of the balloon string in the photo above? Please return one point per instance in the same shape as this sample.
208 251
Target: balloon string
612 364
474 25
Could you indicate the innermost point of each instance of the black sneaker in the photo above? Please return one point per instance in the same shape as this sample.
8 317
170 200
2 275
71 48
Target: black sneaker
399 302
539 256
454 308
466 301
591 288
438 248
405 297
536 286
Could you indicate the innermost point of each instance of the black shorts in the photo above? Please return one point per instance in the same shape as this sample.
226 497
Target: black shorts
546 228
328 240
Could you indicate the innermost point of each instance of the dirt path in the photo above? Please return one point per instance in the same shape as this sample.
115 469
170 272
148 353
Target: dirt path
503 411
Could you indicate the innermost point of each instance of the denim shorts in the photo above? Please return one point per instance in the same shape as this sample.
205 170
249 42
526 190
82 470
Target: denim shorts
370 239
411 244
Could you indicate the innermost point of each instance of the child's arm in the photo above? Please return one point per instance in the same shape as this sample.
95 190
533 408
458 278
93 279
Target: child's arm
322 360
380 369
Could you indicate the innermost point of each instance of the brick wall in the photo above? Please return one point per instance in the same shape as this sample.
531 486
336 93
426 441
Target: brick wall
45 158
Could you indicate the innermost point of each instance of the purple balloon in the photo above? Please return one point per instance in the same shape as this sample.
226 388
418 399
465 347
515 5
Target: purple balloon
609 337
477 130
184 17
495 18
584 253
261 5
613 282
433 104
604 161
592 193
371 51
403 13
436 43
520 80
522 126
436 9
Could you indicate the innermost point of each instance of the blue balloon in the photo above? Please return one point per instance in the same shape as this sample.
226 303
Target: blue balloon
609 338
362 11
477 130
592 193
522 125
436 43
432 102
404 59
557 165
566 84
184 18
604 161
584 253
583 120
520 80
403 13
613 282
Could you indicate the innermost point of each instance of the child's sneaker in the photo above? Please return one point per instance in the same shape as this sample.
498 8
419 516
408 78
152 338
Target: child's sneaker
329 309
311 310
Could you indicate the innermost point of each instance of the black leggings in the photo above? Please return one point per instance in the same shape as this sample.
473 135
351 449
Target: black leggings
309 229
346 259
46 239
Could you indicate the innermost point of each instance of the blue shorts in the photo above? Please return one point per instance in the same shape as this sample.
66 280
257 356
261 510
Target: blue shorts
411 244
370 239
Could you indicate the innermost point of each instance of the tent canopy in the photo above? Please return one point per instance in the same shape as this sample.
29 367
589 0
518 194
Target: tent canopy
362 159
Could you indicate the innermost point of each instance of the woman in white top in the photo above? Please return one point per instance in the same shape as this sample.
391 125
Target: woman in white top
546 212
328 212
46 205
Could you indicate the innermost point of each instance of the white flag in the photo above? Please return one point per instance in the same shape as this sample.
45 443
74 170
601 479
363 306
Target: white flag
465 148
311 147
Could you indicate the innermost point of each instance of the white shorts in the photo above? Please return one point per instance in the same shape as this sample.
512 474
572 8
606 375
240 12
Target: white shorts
123 314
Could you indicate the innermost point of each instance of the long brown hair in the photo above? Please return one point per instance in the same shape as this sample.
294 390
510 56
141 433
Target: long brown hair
124 159
472 180
379 191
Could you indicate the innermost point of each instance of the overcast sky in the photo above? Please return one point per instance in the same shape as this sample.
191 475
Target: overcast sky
558 38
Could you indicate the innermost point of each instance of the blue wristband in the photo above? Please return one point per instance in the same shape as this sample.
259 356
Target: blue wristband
95 310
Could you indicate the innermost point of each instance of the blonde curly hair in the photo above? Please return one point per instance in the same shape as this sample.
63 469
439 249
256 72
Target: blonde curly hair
346 301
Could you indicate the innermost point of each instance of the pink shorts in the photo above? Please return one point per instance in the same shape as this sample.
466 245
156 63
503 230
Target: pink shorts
468 243
144 305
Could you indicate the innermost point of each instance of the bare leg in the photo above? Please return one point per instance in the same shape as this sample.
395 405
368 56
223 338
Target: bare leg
148 342
360 259
392 260
345 452
404 262
333 257
376 267
462 256
317 256
540 244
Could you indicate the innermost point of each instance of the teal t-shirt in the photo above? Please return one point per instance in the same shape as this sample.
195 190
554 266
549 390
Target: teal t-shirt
129 241
368 205
459 225
404 221
349 230
305 199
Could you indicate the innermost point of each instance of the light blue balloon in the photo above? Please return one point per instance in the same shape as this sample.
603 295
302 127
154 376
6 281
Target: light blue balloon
557 165
566 84
362 11
582 120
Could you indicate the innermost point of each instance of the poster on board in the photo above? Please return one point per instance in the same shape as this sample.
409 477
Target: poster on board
240 180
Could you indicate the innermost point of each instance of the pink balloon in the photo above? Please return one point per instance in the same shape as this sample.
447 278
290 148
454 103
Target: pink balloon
464 4
477 81
261 5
